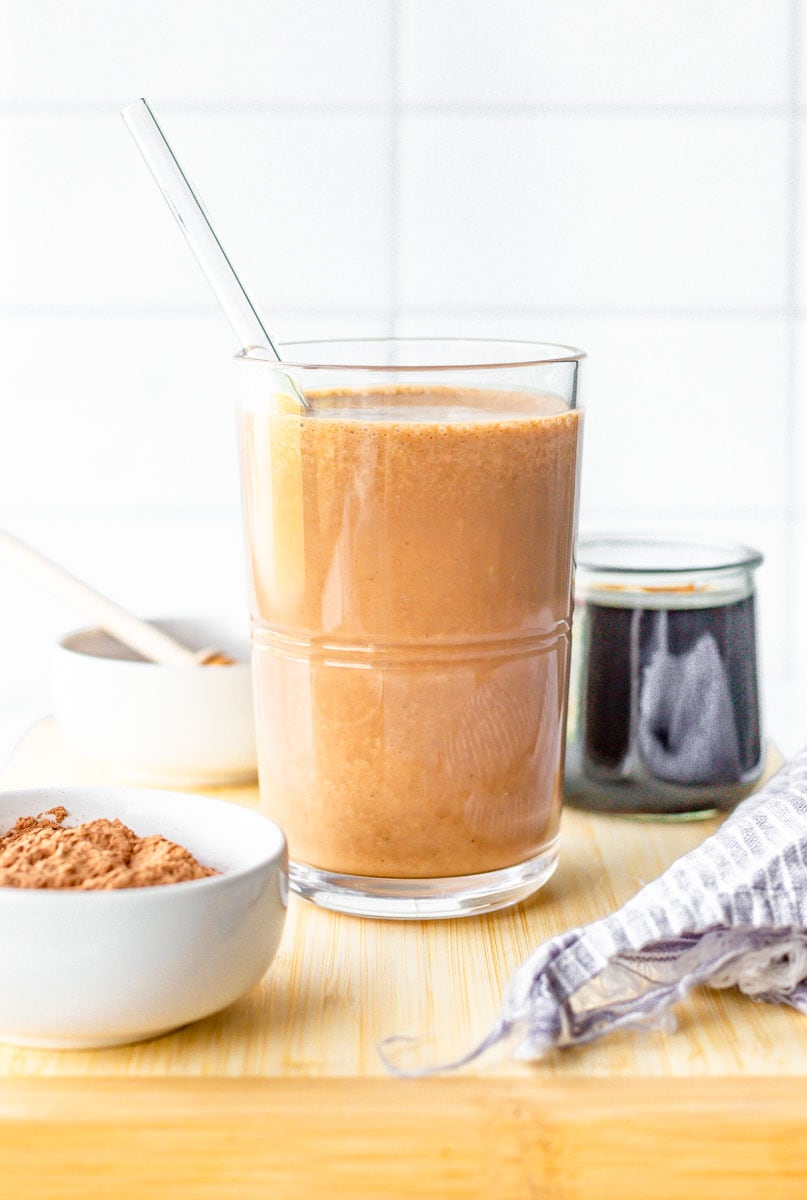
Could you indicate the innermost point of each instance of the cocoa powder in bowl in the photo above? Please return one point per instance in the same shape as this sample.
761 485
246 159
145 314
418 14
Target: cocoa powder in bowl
41 852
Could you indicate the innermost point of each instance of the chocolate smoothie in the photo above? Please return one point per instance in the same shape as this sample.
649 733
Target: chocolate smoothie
410 562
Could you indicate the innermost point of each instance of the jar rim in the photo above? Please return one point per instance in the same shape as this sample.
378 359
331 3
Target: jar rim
649 554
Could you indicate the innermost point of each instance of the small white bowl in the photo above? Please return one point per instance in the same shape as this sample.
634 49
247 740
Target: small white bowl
99 968
178 726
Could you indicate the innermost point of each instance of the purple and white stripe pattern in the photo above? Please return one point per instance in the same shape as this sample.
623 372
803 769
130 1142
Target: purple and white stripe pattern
731 913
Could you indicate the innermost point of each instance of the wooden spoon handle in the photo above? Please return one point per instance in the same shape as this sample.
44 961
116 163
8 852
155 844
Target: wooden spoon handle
140 635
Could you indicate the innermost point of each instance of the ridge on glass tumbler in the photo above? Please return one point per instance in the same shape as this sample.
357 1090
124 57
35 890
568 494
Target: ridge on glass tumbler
409 541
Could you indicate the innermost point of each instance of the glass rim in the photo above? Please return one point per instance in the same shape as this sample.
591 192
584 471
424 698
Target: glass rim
538 358
613 554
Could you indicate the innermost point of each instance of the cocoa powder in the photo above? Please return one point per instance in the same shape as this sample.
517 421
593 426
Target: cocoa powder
40 852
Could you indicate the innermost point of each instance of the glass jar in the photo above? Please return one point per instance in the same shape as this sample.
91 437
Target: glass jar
664 709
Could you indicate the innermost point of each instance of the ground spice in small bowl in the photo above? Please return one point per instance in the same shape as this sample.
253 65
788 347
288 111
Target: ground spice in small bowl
41 852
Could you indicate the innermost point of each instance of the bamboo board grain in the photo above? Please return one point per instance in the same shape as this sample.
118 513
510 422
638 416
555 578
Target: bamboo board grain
285 1090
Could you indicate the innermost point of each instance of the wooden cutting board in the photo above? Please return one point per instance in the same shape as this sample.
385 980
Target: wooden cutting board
284 1094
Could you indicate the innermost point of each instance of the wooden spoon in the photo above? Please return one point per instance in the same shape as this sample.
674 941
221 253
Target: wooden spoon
149 641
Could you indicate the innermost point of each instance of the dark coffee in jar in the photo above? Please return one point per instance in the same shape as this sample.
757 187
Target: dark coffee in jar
664 704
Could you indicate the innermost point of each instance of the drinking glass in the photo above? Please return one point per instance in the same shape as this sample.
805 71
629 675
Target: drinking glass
409 544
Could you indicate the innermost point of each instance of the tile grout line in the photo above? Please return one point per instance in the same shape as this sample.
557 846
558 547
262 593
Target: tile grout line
394 169
260 108
793 241
616 312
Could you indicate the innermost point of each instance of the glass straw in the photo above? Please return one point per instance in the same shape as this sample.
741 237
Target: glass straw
199 233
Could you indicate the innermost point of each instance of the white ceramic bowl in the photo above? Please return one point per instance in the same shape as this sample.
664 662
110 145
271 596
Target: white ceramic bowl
98 968
178 726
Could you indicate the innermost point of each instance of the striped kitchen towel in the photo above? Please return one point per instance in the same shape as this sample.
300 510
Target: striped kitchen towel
731 913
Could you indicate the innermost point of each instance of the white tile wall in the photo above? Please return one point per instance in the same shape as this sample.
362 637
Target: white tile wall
586 52
92 230
195 53
798 445
598 211
686 417
627 177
